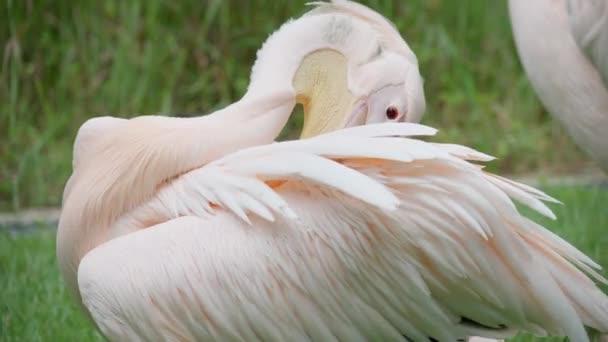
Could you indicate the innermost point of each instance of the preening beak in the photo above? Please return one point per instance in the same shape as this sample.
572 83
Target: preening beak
327 121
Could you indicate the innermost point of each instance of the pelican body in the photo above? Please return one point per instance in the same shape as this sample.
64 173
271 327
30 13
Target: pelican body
563 47
203 229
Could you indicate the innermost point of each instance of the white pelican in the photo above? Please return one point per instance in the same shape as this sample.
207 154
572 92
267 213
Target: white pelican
563 46
203 229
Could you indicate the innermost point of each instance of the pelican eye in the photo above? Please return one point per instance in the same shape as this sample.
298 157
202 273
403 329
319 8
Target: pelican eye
392 113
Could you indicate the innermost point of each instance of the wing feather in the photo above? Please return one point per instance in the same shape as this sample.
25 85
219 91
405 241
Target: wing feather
409 241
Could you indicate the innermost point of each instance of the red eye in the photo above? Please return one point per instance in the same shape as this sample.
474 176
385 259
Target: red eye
392 113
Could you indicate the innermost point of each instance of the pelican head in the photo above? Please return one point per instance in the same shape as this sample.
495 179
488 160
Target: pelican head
347 66
391 90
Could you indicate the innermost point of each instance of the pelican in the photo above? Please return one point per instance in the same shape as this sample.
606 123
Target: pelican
205 229
563 46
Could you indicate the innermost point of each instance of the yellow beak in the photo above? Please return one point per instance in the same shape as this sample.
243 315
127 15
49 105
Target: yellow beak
321 87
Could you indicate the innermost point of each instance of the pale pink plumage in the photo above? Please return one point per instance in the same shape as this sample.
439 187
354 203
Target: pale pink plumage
352 235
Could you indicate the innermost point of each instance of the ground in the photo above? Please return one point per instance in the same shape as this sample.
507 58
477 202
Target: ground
34 305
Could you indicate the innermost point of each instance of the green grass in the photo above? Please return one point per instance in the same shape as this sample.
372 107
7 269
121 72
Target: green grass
35 307
66 61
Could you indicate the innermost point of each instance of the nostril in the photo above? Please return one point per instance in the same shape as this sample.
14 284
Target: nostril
392 113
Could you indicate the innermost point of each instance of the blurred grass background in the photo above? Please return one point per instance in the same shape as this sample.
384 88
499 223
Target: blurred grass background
66 61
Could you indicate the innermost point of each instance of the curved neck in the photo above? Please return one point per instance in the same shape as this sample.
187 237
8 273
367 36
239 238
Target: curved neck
307 60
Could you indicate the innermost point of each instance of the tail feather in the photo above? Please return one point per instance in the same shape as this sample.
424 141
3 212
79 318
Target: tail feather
564 262
567 266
